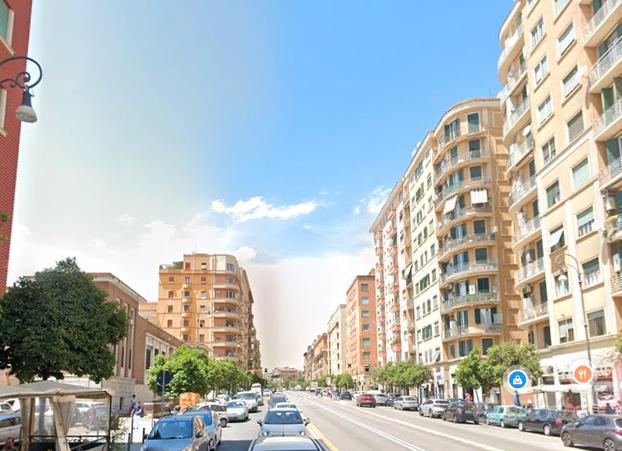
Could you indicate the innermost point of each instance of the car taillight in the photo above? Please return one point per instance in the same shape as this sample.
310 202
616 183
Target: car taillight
617 431
558 422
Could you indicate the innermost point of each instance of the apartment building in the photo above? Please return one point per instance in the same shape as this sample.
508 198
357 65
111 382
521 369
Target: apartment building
308 363
14 36
561 65
387 296
321 366
337 344
361 324
206 301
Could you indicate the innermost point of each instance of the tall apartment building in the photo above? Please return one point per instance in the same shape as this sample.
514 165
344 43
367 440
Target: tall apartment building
14 35
337 344
561 66
361 318
206 301
387 296
321 366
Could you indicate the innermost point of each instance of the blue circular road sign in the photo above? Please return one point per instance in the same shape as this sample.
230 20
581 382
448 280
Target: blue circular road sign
517 379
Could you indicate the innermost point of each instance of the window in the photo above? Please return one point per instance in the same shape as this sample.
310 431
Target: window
475 172
537 32
548 150
575 127
169 309
365 313
452 130
475 147
596 323
187 280
437 330
366 341
479 226
171 279
591 272
203 279
203 294
481 255
566 331
545 109
585 221
169 323
561 285
230 267
6 21
580 173
552 194
364 287
364 300
566 38
365 327
204 265
571 81
483 285
464 347
366 355
201 338
435 302
486 344
541 70
473 121
547 336
559 5
556 238
170 294
3 97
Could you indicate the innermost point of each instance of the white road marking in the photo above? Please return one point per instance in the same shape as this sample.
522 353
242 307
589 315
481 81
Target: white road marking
430 431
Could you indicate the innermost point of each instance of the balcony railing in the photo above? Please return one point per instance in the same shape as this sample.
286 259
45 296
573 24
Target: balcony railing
450 189
459 331
607 7
526 229
467 268
520 190
509 45
513 118
529 270
606 61
446 165
610 115
616 283
460 212
469 300
447 245
612 170
533 312
519 150
513 79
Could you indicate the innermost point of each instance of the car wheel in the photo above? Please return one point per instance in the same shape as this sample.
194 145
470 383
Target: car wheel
443 417
420 413
546 429
223 423
566 440
502 424
475 422
609 445
521 426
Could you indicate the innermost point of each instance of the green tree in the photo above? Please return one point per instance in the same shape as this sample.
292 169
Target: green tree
416 375
191 371
59 321
475 372
501 357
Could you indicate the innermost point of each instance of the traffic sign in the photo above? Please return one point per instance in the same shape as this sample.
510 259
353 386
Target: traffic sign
163 379
582 372
517 379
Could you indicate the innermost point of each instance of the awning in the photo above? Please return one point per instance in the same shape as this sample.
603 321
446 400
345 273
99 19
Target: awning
408 272
527 131
555 237
479 196
450 204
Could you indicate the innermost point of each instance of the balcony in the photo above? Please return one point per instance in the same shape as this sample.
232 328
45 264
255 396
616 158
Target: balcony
516 118
469 300
185 299
616 284
608 125
220 313
227 329
461 331
511 49
456 187
611 174
602 22
529 272
454 163
461 214
454 272
518 151
458 243
608 67
526 230
185 328
185 314
533 315
521 191
514 80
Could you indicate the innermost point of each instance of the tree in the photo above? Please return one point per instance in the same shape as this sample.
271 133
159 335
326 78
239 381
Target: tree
475 372
501 357
59 321
417 374
191 371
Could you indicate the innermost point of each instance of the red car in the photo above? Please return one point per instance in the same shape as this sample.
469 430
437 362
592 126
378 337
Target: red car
365 399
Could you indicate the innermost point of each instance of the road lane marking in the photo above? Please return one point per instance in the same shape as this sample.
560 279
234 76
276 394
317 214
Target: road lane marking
430 431
382 434
322 438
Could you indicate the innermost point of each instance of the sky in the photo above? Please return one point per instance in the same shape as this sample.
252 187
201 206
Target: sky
272 130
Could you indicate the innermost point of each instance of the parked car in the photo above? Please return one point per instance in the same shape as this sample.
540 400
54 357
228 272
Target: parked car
282 422
598 431
285 443
237 411
482 409
250 398
345 395
366 399
433 408
459 412
177 433
10 426
406 403
504 416
547 421
259 398
212 424
277 398
381 398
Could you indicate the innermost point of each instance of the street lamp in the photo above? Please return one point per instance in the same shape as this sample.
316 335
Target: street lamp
560 263
25 112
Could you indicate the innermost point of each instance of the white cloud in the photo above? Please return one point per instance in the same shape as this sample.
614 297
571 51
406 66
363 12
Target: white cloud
374 202
127 220
256 208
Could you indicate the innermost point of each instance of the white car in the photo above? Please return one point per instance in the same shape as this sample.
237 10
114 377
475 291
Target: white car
433 408
381 398
406 403
237 410
283 422
249 398
286 443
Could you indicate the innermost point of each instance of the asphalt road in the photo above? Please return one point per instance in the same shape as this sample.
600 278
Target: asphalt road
239 435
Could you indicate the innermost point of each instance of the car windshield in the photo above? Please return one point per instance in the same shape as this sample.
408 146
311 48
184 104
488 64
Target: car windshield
283 417
408 398
441 402
166 430
246 396
235 405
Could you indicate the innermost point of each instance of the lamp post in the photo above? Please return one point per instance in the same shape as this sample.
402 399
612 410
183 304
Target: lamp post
560 263
22 80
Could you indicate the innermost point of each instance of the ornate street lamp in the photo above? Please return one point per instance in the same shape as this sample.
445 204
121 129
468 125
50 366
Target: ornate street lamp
22 80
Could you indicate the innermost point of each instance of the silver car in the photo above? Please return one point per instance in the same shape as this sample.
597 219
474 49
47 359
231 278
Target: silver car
249 398
237 411
286 443
381 398
599 431
433 408
406 403
211 420
178 433
10 426
283 422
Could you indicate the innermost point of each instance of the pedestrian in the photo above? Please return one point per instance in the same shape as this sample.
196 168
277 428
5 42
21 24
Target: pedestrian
9 445
138 409
132 404
608 409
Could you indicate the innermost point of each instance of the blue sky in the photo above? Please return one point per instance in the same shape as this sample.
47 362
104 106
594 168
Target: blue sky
269 129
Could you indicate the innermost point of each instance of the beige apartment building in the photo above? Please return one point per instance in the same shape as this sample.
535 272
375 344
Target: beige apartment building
206 301
321 366
337 344
561 64
361 324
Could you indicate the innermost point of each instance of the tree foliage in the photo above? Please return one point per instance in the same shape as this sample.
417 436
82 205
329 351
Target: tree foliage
404 375
59 321
343 380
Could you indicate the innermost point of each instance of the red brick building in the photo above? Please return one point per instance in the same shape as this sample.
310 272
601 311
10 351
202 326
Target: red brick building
14 34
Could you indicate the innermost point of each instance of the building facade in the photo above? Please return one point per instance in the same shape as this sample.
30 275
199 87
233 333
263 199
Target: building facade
361 326
14 36
337 344
321 366
206 301
561 65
